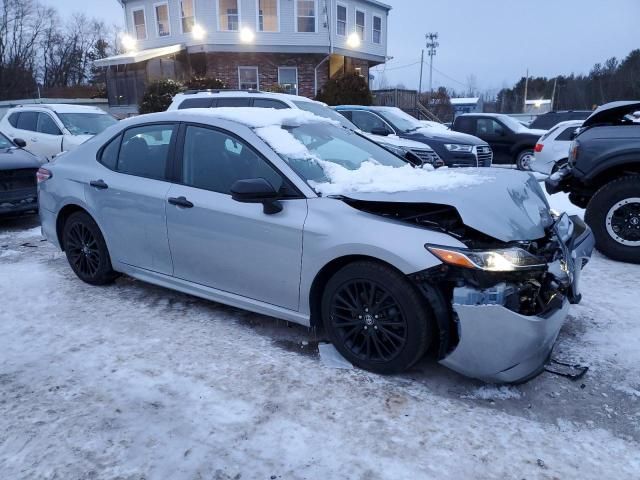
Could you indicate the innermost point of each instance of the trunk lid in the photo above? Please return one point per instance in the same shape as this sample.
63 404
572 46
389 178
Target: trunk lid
611 112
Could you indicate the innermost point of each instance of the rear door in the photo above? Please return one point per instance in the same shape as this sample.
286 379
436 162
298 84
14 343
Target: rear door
129 195
27 129
231 246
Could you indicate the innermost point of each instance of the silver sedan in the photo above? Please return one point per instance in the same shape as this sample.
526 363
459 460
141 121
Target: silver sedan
251 209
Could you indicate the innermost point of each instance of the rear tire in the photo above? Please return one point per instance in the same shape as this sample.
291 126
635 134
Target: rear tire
523 160
376 318
614 216
86 250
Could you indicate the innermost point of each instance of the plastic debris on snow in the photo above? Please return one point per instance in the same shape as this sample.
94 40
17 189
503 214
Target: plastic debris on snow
331 358
489 392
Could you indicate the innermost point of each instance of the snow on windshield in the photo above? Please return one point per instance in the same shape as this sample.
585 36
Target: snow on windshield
338 162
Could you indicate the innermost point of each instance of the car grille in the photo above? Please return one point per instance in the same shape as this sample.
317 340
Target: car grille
428 156
485 155
20 179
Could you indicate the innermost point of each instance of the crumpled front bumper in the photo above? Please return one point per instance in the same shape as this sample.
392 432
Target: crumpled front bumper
499 345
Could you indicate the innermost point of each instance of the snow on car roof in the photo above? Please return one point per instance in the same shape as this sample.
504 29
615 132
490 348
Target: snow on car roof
253 117
63 108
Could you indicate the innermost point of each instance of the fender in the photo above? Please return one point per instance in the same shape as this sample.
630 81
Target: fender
618 161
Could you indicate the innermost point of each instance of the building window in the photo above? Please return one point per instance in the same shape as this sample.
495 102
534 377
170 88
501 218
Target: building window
341 19
248 78
162 20
229 15
306 16
358 71
268 16
377 30
187 15
288 79
360 24
140 24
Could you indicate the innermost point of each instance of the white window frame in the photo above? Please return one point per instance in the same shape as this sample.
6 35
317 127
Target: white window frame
239 5
373 31
297 82
295 16
195 19
133 22
355 24
155 16
258 18
346 20
249 67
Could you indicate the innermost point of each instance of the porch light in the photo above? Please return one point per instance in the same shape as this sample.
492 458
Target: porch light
128 42
354 40
247 35
198 33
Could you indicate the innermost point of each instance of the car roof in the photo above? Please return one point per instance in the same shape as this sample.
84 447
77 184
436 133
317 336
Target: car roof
244 93
58 108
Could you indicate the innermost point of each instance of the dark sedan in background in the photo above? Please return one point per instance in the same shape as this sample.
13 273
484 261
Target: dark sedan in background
18 169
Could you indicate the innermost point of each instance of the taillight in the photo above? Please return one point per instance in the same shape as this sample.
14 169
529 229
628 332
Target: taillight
539 147
43 175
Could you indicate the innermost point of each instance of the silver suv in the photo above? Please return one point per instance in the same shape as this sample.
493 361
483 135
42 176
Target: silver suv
284 213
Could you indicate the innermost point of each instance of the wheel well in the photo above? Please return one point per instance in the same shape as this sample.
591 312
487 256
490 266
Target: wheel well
613 173
323 276
65 213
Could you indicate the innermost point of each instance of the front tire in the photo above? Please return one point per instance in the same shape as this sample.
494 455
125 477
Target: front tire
376 318
523 160
614 216
86 250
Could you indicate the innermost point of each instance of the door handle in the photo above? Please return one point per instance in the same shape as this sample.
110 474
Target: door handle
99 184
180 202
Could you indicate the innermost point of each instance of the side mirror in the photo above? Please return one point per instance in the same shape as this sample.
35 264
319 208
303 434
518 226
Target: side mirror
257 190
20 143
383 132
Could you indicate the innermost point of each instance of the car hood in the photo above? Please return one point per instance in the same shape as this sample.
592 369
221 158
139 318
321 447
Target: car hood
611 112
395 141
536 132
508 205
444 136
14 158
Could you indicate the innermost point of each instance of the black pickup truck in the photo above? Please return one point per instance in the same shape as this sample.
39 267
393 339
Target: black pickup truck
603 176
511 142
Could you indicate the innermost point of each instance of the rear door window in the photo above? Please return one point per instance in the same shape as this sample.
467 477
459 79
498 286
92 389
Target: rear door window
567 135
28 121
196 103
269 103
145 151
234 102
13 119
109 154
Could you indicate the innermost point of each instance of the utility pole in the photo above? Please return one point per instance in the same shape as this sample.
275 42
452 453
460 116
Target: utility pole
432 45
526 91
553 95
421 69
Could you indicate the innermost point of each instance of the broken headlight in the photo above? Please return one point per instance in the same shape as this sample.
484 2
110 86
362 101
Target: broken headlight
498 260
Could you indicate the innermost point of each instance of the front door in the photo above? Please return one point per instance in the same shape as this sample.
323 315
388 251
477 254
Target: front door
231 246
129 196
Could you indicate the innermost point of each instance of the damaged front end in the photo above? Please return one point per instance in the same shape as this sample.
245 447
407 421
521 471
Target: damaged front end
507 303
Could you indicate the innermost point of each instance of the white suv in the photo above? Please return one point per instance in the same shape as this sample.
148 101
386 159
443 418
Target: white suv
256 98
49 129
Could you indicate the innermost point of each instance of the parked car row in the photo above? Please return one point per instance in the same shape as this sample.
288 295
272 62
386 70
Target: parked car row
284 211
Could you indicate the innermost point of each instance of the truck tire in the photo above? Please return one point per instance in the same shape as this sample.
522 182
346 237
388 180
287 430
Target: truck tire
614 216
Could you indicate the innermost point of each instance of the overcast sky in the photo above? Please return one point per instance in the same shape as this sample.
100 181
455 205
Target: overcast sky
494 40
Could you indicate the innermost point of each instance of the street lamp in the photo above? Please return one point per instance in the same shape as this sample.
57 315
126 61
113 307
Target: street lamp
128 42
198 33
247 35
354 40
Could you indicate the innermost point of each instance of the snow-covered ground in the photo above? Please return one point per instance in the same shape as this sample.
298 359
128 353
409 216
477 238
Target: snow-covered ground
133 381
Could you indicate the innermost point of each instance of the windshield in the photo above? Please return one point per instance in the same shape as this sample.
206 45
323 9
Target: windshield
86 123
334 146
401 120
5 142
325 112
512 124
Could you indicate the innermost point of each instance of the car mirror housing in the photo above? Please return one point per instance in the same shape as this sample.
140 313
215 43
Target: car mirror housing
257 190
19 142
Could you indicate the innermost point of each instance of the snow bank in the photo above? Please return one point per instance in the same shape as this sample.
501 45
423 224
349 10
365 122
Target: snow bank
375 178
